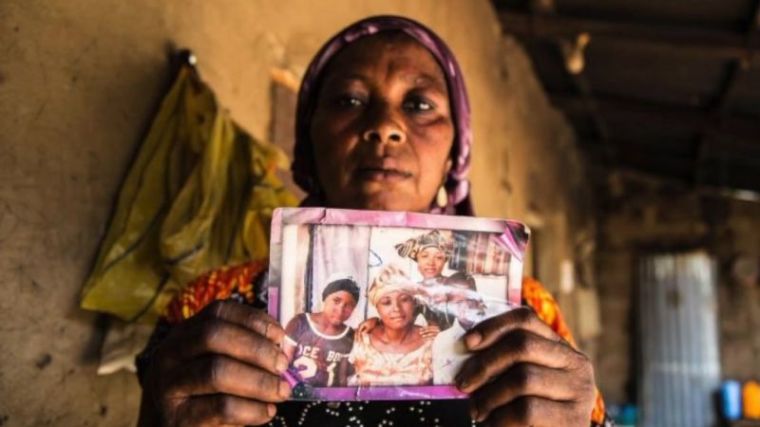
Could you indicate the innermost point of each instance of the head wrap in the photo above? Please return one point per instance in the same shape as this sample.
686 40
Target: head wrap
337 283
412 247
391 279
304 169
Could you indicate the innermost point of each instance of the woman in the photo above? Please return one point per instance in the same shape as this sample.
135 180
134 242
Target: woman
382 123
393 351
430 251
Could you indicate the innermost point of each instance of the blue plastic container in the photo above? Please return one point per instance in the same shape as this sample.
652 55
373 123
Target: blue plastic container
731 400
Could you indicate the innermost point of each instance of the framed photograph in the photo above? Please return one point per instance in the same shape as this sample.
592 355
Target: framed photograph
374 304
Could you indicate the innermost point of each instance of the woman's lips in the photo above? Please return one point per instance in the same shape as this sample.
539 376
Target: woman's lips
382 174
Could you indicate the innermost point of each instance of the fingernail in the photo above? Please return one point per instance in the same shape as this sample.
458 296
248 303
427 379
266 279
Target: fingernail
474 414
271 410
462 384
284 389
473 339
282 364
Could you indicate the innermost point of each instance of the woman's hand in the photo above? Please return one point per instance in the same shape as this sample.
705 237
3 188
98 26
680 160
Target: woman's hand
221 367
430 332
367 326
523 374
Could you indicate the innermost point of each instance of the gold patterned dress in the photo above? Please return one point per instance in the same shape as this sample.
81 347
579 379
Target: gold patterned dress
377 368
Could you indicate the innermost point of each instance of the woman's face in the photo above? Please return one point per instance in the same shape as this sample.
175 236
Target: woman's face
338 307
382 130
396 309
430 262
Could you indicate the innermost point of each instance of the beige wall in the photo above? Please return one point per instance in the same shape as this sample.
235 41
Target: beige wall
79 80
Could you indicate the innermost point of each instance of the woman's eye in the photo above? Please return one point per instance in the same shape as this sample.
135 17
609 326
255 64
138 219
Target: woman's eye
418 105
349 101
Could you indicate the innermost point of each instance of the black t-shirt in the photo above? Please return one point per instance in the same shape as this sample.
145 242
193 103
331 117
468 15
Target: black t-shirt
319 360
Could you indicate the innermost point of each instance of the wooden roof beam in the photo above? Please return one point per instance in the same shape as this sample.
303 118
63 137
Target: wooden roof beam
730 151
669 40
661 115
726 93
704 189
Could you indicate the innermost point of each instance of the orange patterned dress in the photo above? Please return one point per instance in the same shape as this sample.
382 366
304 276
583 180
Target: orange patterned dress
237 283
537 297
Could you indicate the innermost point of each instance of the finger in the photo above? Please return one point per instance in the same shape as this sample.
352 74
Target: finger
522 380
220 410
430 331
216 336
222 375
516 347
537 412
491 330
429 335
247 317
242 344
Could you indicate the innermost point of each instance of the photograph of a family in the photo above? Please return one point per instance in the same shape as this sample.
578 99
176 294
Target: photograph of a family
384 308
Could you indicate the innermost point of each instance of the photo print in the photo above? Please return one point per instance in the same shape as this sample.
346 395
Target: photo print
374 304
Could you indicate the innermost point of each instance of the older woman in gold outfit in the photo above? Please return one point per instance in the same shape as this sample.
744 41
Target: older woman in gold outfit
393 351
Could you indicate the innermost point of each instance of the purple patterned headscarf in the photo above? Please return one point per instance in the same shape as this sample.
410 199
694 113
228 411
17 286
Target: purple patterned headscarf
457 185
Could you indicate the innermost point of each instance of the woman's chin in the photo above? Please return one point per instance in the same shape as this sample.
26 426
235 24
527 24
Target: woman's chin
337 323
397 324
391 201
379 196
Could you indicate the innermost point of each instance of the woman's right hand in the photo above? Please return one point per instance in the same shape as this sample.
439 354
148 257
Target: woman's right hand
220 367
366 326
430 332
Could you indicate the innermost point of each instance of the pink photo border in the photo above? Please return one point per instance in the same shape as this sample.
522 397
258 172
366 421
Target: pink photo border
326 216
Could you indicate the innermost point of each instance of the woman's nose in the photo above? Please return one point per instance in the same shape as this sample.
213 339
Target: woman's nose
384 127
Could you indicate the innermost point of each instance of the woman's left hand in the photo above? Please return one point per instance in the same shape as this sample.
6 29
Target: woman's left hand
524 374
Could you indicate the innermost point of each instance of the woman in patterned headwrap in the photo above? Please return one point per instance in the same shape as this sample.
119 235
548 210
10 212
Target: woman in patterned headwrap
430 251
383 123
393 351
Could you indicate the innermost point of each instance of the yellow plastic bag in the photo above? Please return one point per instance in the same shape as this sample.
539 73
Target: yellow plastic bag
199 195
